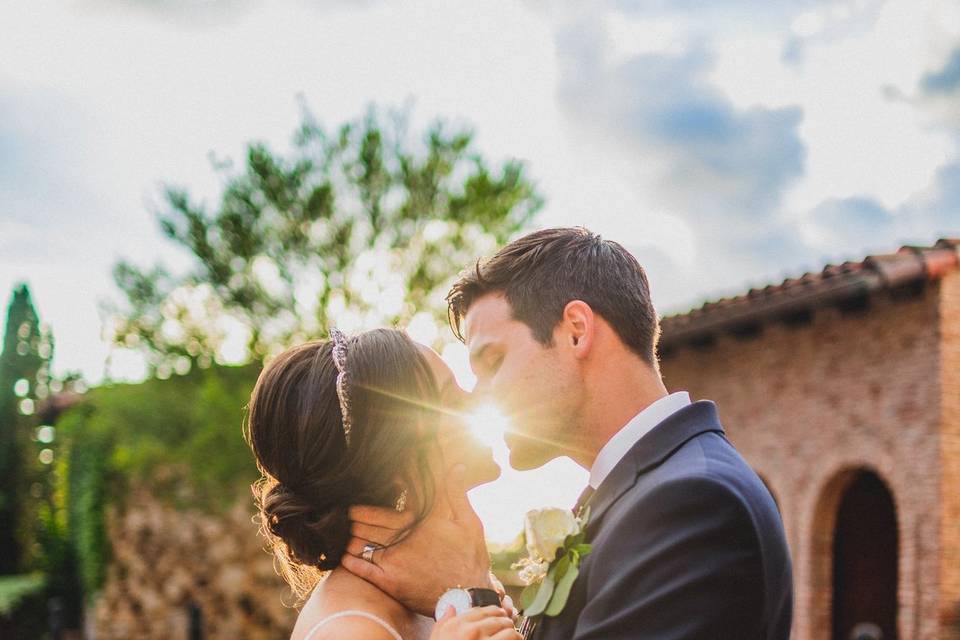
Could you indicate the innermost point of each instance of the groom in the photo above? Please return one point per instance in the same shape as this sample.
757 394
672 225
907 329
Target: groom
687 541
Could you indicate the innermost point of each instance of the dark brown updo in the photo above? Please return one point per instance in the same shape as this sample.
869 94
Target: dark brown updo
310 475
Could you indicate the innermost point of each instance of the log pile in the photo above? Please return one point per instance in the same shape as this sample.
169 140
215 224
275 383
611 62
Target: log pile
169 565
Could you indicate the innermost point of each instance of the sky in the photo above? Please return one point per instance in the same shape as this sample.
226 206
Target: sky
726 144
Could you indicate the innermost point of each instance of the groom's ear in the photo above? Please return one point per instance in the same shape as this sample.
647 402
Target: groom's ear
577 327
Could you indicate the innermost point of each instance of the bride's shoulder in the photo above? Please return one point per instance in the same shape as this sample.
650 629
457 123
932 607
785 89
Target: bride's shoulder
344 626
325 612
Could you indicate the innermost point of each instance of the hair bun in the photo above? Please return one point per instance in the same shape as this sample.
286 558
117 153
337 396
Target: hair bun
316 532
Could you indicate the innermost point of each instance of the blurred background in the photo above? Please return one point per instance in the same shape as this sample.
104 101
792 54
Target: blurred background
188 187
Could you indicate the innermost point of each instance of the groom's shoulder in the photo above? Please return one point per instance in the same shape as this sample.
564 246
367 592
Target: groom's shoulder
691 445
705 464
704 476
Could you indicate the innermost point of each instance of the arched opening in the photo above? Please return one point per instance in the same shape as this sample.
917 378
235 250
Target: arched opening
864 559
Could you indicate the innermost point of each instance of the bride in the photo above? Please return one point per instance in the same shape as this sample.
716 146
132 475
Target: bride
373 419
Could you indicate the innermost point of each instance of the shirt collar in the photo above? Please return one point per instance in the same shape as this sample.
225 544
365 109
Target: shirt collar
639 426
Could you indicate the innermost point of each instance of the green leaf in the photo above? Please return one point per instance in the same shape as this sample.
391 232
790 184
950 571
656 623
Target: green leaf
14 588
562 591
529 593
583 549
561 567
544 592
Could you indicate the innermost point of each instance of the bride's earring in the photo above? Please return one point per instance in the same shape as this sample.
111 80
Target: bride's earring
401 503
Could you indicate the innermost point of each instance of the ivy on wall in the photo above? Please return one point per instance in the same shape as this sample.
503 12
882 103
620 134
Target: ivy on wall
182 436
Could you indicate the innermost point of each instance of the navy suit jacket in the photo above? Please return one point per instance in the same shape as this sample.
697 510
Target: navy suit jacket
687 543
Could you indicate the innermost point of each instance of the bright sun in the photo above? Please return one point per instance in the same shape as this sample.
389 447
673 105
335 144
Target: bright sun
488 424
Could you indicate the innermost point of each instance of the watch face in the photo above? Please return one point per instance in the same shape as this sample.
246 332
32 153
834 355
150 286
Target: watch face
459 599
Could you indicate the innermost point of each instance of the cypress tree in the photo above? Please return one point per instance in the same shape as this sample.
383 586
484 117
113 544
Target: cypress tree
24 372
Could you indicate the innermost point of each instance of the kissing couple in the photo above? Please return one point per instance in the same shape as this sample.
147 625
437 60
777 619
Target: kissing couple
366 462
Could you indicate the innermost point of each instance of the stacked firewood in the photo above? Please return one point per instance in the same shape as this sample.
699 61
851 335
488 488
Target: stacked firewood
173 570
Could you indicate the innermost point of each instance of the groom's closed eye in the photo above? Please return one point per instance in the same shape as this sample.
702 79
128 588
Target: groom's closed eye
478 359
494 366
488 363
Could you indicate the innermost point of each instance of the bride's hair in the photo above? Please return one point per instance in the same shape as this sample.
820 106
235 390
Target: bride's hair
310 474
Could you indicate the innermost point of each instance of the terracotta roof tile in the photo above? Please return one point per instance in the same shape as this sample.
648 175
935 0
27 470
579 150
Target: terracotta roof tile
834 284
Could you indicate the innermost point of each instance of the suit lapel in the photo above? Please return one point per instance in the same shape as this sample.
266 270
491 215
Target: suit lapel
651 450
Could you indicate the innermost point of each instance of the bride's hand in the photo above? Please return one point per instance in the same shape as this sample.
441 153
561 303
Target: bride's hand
446 549
505 601
480 623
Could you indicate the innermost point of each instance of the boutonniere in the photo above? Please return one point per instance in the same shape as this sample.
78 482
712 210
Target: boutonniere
555 547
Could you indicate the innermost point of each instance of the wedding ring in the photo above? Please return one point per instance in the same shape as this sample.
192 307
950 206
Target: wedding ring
368 550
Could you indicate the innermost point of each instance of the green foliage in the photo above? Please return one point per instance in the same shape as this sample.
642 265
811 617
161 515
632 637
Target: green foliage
358 224
58 560
87 482
181 436
504 556
15 588
24 379
163 431
535 598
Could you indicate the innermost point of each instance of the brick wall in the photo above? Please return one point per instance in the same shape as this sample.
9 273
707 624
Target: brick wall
810 404
950 457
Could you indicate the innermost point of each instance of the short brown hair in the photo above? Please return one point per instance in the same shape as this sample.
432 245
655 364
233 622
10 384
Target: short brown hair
543 271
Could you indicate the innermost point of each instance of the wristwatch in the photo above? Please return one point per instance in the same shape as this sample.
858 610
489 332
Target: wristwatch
465 599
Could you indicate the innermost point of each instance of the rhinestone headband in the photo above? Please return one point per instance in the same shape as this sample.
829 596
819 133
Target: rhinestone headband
340 360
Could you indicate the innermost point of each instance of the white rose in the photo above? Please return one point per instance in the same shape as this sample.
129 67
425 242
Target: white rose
546 529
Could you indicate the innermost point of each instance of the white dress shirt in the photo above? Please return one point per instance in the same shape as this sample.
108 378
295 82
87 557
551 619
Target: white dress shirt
641 424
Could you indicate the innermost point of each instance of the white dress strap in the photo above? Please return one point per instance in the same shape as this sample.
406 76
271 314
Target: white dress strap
355 613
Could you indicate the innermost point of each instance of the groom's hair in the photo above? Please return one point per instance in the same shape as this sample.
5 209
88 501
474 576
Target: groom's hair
541 272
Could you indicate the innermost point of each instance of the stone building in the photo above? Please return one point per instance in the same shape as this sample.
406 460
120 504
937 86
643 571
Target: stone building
842 389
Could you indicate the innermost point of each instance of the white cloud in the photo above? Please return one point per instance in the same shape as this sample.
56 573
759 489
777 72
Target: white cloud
860 141
647 64
114 97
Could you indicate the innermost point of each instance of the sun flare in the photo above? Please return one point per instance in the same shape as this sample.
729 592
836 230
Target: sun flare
488 424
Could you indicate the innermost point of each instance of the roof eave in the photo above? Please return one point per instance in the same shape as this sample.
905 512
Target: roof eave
910 266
